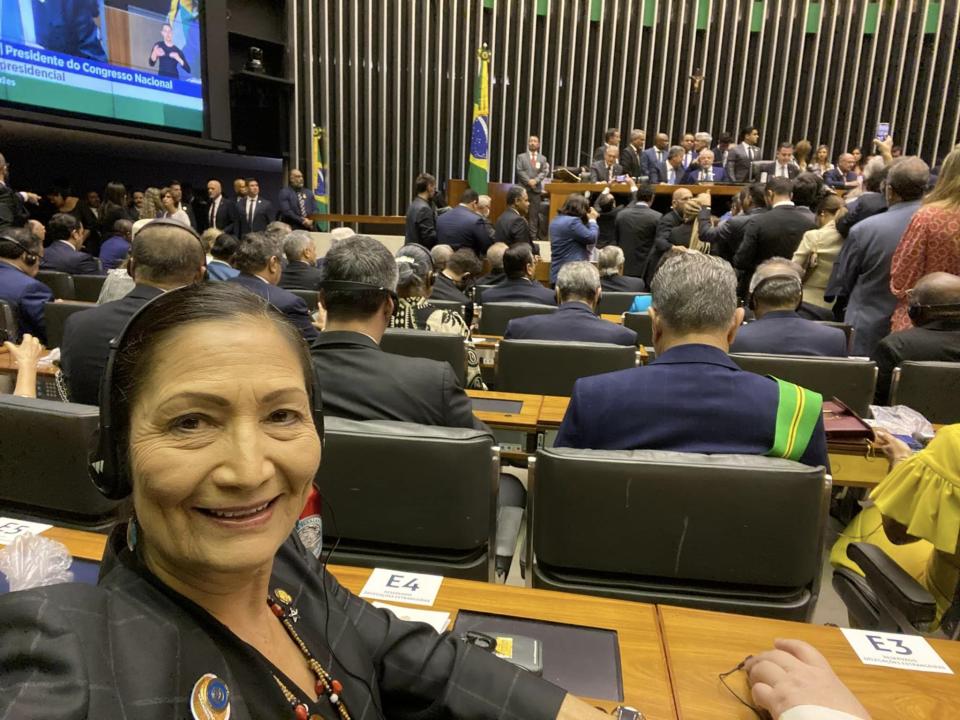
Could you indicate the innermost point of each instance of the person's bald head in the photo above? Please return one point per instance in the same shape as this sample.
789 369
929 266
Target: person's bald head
937 288
777 284
441 255
166 255
680 197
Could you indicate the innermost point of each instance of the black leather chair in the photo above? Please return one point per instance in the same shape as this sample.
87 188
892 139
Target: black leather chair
310 297
47 448
60 284
616 303
494 317
733 533
56 313
847 379
930 388
9 322
478 292
88 287
446 347
410 497
642 325
848 330
549 367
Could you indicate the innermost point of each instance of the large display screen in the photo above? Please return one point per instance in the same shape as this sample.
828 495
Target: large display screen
131 60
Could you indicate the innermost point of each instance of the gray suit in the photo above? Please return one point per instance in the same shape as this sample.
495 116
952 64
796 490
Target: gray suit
526 171
739 159
863 273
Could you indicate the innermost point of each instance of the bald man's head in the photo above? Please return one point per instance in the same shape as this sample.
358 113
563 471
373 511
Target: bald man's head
166 256
680 198
937 288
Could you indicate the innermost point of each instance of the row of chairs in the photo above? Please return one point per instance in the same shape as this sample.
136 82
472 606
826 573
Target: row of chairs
678 528
64 286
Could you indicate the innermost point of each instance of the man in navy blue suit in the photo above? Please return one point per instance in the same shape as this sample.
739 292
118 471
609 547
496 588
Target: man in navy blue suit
519 266
20 253
704 170
653 158
65 237
296 204
776 291
254 212
578 290
693 397
464 226
259 261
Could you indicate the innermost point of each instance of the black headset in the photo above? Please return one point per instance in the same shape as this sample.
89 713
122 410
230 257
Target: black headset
30 257
112 477
751 297
921 314
353 286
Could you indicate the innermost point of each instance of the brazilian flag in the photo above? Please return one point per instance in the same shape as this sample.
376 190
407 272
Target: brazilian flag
479 172
320 177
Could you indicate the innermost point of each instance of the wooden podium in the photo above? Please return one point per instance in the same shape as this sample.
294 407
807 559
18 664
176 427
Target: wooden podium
560 191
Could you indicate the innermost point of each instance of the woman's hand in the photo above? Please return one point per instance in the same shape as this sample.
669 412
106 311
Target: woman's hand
795 673
895 449
27 352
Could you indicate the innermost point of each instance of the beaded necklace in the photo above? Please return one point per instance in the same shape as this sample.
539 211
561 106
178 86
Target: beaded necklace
326 683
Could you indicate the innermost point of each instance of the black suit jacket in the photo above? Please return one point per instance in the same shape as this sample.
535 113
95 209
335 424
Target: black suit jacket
867 205
301 276
938 340
519 290
784 332
263 215
636 229
62 257
599 171
771 167
726 237
461 227
630 160
513 228
775 233
12 210
227 217
283 300
421 223
662 242
86 342
606 226
622 283
362 382
574 322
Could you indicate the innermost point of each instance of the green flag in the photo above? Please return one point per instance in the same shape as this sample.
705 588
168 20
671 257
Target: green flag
478 174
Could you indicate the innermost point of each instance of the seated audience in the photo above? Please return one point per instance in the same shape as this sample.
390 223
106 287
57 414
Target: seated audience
935 313
301 272
520 267
65 236
415 285
818 251
223 251
25 357
495 261
775 296
259 261
20 255
871 202
116 247
512 226
636 229
165 255
573 233
440 254
578 292
359 380
693 388
610 261
464 226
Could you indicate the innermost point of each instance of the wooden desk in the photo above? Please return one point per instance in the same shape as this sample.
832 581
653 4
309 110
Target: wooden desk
856 471
700 645
524 421
609 317
552 410
9 366
560 191
81 544
646 682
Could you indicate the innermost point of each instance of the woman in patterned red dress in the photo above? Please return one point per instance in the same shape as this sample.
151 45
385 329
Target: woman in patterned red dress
932 240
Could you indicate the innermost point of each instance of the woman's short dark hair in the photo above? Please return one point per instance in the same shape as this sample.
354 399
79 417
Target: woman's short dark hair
576 206
176 310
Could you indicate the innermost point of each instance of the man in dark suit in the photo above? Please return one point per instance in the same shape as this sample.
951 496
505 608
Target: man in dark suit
607 212
20 253
532 169
65 237
662 242
775 233
690 153
519 266
255 212
671 172
421 221
705 170
630 157
12 209
655 156
636 229
693 387
935 312
456 279
741 156
301 271
464 226
776 291
783 166
871 202
842 177
608 167
221 213
296 204
610 137
165 255
512 226
726 237
578 291
610 262
259 261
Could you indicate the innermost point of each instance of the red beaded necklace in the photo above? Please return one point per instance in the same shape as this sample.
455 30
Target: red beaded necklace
326 683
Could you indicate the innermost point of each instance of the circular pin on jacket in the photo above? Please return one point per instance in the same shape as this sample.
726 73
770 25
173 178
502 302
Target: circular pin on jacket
210 699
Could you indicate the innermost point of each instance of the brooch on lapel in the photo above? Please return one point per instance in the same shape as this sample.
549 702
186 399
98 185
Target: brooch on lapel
210 699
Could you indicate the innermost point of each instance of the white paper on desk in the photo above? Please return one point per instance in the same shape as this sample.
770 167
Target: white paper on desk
405 587
907 652
434 618
11 529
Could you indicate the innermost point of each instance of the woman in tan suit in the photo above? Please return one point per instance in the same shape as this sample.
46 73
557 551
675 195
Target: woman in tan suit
818 250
